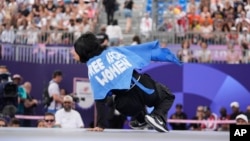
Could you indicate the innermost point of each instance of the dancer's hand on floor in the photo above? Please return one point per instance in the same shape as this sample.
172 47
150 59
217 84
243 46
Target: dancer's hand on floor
96 129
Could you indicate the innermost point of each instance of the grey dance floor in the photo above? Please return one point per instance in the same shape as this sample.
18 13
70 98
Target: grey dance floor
39 134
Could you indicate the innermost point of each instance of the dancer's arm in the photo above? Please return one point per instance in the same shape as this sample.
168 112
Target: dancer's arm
101 116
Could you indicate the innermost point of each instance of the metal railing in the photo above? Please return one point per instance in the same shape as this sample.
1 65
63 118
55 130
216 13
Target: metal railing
38 53
68 38
44 54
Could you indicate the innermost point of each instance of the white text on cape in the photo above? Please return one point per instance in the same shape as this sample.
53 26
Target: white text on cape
104 73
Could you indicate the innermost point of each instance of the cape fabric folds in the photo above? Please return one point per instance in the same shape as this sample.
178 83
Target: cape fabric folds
113 68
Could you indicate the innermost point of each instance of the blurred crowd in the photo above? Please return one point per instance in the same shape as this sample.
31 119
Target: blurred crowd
46 21
210 20
206 119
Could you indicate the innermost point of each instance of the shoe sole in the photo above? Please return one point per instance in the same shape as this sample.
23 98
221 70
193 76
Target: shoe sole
157 127
139 128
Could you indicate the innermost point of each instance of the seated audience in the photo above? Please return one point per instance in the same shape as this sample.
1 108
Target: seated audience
68 117
200 117
241 119
179 114
235 106
14 123
49 119
41 124
3 122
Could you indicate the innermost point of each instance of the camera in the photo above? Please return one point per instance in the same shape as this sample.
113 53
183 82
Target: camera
8 94
77 99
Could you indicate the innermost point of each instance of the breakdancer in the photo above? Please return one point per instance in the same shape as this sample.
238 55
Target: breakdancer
116 71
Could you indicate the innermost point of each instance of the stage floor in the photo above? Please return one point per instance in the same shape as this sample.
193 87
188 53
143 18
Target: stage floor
57 134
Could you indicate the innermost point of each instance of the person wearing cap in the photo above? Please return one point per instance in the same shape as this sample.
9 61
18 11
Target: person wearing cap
67 117
241 119
235 106
103 37
22 95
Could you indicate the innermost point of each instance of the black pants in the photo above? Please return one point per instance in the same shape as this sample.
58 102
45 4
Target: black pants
133 102
110 17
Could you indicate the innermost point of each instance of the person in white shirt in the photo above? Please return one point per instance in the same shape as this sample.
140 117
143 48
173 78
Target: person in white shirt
54 92
114 33
68 117
146 26
8 34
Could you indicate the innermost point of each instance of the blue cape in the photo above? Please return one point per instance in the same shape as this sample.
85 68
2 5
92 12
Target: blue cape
113 68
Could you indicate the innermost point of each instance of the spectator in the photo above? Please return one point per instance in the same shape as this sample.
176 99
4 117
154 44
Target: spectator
54 92
14 123
50 6
192 5
136 40
22 95
235 110
102 37
178 115
200 117
244 37
245 55
206 29
233 36
3 122
8 34
24 9
128 6
114 33
248 112
110 7
61 5
241 119
216 6
68 117
233 56
205 13
29 104
49 119
41 124
185 54
210 120
223 116
204 55
146 26
166 26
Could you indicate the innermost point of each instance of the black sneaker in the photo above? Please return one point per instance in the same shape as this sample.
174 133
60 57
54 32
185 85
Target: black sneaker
156 122
134 124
